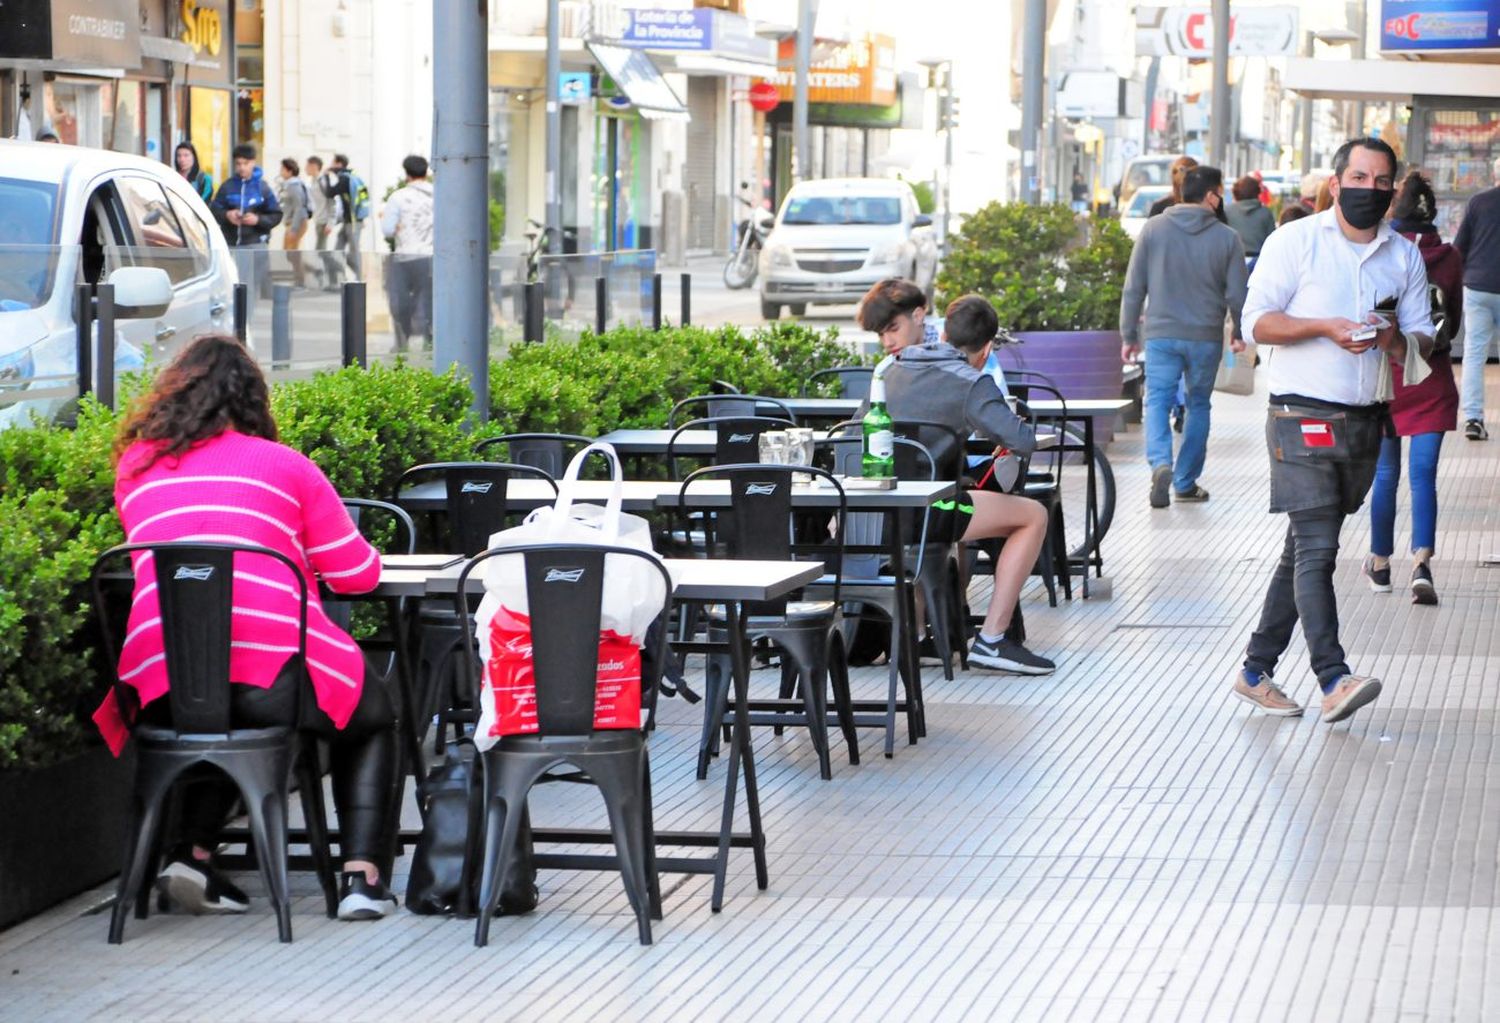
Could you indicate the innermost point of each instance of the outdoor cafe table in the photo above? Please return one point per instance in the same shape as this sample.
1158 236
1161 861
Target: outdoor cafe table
731 583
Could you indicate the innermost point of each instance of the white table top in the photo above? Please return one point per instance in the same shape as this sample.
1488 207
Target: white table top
523 493
693 579
714 493
646 495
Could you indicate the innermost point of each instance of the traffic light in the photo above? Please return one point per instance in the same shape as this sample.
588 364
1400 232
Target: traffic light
952 113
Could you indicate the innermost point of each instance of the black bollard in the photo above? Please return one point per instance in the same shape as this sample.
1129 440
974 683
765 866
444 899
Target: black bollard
687 299
104 311
533 313
84 315
601 304
281 326
656 301
242 311
354 324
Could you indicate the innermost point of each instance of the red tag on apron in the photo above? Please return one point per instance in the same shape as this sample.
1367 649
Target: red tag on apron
1316 433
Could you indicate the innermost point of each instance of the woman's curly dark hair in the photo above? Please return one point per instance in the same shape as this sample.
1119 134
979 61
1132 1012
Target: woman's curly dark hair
1415 201
213 385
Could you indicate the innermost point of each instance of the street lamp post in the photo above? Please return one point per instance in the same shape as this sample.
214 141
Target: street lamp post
1218 134
1033 72
807 14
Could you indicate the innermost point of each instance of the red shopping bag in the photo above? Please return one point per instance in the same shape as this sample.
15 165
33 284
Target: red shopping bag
510 679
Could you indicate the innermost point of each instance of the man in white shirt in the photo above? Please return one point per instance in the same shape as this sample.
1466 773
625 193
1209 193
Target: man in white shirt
407 222
1334 300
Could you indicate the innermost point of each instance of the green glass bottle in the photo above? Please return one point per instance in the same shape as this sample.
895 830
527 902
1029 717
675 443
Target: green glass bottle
879 459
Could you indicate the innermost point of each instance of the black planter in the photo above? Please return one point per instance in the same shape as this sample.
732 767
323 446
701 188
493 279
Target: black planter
62 830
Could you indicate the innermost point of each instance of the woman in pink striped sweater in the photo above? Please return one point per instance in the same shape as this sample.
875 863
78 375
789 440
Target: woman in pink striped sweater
198 459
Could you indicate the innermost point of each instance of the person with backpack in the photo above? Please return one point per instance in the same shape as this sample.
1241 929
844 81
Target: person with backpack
352 196
187 165
407 221
291 192
247 210
1422 412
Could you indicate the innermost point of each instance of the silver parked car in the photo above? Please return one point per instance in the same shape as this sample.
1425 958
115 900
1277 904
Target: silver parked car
70 214
833 239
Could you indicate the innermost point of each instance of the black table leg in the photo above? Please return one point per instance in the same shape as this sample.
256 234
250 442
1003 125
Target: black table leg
739 751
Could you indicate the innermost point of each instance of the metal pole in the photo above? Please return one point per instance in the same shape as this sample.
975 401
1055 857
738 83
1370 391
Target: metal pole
242 311
687 299
281 326
1307 112
460 278
1218 124
84 315
353 332
104 308
601 304
807 11
1033 77
554 128
948 165
656 301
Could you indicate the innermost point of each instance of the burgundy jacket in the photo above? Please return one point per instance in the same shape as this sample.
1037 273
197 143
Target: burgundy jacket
1432 405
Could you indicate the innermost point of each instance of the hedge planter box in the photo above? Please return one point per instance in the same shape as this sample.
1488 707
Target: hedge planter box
1083 364
62 830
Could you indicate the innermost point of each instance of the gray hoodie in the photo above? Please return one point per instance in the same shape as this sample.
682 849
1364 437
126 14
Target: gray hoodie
934 382
1193 267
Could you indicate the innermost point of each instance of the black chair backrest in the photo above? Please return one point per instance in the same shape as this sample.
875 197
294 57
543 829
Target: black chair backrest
475 492
761 525
736 438
195 593
719 406
854 381
388 528
564 589
549 452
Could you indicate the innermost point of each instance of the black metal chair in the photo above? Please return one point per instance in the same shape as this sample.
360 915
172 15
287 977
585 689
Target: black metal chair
549 452
854 381
475 507
195 584
760 525
736 405
390 530
1043 483
736 440
564 590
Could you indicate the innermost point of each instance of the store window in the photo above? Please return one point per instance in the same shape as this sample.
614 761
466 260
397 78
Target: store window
250 73
75 110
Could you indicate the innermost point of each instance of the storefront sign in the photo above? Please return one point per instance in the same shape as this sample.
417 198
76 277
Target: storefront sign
205 26
1189 32
202 28
696 30
72 33
863 71
1415 25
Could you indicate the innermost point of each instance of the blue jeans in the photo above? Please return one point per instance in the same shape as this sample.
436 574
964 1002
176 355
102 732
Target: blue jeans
1481 318
1196 363
1423 473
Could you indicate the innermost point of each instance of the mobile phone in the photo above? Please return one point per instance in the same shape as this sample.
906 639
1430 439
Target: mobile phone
1365 333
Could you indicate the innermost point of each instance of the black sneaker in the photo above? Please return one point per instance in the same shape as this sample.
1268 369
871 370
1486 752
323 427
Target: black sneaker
1474 430
196 886
361 900
1008 655
1422 589
1380 578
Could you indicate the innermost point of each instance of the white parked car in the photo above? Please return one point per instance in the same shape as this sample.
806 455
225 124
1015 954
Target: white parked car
1134 216
835 238
70 214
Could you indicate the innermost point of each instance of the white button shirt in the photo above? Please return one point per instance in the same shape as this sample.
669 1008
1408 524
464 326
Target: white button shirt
1308 269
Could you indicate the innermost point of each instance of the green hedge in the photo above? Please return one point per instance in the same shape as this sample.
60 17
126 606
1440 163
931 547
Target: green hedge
362 427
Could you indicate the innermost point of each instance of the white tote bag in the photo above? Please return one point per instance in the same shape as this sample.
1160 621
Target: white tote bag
633 591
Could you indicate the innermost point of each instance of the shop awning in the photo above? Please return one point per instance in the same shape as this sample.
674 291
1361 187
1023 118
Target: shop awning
641 82
1385 81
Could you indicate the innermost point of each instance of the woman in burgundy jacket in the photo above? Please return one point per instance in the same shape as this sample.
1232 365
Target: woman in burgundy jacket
1424 412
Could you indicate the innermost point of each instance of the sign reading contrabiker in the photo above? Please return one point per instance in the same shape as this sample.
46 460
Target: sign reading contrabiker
1189 32
1415 25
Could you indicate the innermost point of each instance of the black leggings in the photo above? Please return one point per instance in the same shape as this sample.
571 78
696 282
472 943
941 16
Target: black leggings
362 761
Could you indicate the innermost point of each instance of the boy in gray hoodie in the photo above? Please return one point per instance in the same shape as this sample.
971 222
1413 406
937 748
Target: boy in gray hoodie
1192 266
943 382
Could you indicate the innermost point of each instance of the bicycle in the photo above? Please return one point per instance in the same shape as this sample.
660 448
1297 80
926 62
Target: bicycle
529 271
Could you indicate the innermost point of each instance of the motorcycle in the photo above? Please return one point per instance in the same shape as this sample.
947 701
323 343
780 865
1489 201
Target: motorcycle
744 261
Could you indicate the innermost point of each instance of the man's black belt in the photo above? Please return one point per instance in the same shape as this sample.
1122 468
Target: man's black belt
1377 410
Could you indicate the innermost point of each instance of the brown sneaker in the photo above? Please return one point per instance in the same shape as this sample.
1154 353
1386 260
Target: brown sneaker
1351 693
1266 695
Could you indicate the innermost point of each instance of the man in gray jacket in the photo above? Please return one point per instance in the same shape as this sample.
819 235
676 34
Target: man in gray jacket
1192 266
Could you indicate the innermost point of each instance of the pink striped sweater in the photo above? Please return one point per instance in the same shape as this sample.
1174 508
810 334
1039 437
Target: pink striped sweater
239 489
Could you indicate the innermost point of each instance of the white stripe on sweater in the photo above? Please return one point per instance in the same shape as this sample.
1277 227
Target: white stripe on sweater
372 556
246 480
222 509
330 546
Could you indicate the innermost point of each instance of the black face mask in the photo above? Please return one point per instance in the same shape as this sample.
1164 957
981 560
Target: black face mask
1363 207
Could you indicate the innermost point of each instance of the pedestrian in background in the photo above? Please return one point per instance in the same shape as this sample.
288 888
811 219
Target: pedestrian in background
1251 220
187 165
1296 211
1423 412
1478 242
247 210
353 199
296 203
325 223
1080 193
1324 199
1321 284
407 221
1192 270
1180 166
